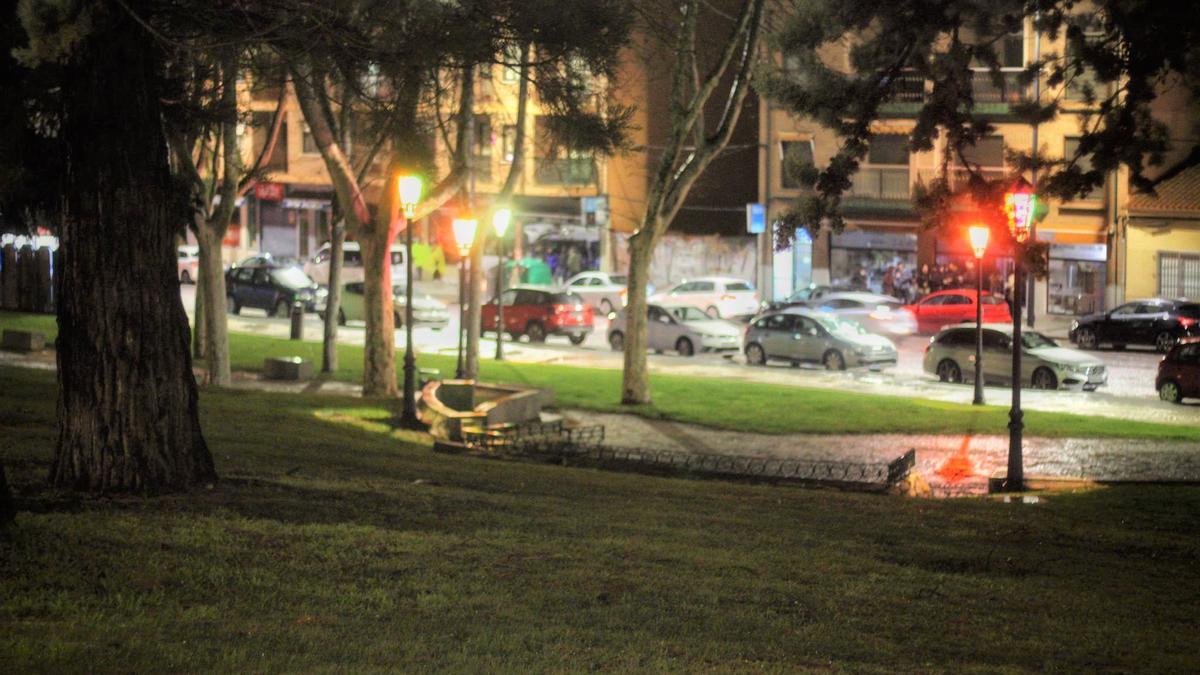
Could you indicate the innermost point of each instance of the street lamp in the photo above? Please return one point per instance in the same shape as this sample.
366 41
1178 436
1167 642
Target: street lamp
409 189
979 241
464 237
500 220
1019 205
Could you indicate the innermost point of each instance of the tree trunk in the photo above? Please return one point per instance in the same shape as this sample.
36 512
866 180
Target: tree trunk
475 303
636 383
212 288
127 401
333 302
379 353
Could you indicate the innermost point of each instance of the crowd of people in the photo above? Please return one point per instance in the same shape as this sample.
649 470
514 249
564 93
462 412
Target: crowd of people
909 285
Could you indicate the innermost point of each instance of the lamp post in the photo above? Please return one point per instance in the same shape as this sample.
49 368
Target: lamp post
979 241
500 220
409 188
464 236
1019 205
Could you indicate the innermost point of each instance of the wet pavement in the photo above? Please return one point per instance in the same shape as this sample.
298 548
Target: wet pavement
952 464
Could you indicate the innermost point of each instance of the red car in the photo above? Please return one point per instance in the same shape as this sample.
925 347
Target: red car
540 312
1179 372
946 308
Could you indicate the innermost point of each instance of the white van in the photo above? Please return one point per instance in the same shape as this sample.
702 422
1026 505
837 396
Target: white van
352 264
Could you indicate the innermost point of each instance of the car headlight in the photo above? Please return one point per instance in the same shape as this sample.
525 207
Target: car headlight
1074 324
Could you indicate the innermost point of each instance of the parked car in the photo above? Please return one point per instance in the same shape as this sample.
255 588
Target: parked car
804 335
273 288
189 264
1044 365
719 296
427 310
603 291
1155 322
801 297
1179 372
947 308
352 264
881 314
539 312
681 328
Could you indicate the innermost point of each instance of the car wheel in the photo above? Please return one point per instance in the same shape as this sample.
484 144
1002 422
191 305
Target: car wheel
578 339
536 331
713 312
948 371
606 307
1164 342
1044 378
1169 391
616 340
834 360
232 305
185 277
1086 338
281 308
755 355
684 347
341 317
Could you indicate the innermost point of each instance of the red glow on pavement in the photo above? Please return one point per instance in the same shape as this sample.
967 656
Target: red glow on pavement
959 467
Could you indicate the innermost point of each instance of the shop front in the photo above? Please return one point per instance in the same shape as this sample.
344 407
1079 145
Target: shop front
863 258
1076 280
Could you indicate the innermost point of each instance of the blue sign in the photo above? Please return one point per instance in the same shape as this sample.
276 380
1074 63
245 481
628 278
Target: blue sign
756 218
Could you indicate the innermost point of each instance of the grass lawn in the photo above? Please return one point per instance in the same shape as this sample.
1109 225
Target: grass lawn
741 406
333 542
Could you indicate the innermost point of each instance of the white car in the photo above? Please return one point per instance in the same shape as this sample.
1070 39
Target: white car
719 296
881 314
352 264
681 328
189 264
603 291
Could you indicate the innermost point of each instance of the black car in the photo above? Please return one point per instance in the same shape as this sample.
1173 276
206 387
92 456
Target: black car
1155 322
270 287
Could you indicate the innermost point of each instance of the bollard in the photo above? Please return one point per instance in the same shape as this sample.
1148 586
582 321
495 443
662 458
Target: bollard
297 321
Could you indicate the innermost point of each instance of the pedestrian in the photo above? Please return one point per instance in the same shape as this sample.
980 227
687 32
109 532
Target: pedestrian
889 281
574 264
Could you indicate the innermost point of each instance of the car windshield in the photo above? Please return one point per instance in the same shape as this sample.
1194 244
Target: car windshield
1035 340
800 295
618 279
837 326
291 277
689 314
1190 311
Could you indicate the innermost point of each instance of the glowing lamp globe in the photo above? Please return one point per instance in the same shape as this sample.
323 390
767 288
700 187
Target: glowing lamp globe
464 233
500 220
978 235
410 194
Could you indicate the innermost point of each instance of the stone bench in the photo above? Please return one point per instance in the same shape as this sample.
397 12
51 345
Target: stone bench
287 368
23 341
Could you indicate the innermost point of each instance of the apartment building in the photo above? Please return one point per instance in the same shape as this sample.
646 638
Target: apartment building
1085 274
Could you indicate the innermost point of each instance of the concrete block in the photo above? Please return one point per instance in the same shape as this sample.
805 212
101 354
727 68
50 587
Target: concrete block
23 341
287 368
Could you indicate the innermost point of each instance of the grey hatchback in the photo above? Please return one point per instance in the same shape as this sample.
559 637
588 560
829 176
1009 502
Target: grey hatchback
801 335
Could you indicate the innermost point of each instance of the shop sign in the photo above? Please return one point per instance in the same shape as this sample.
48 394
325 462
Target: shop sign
756 218
884 241
268 192
1092 252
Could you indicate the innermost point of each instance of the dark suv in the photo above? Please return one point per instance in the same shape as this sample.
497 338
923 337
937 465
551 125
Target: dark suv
1156 322
270 287
1179 372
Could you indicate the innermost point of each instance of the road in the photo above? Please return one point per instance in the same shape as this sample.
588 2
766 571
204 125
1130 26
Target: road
1129 394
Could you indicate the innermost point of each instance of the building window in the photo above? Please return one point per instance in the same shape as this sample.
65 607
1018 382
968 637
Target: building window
986 157
1075 287
509 143
1085 85
555 165
793 157
309 146
1178 275
1070 147
512 60
482 155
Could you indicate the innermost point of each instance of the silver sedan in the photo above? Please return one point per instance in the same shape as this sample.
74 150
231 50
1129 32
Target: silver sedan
680 328
802 335
881 314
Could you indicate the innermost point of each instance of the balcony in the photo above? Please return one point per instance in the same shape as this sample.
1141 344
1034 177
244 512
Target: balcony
564 171
911 91
878 189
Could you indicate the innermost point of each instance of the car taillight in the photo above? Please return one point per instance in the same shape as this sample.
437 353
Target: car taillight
1185 322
